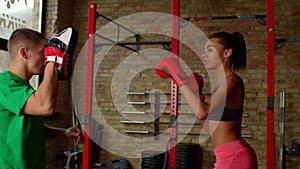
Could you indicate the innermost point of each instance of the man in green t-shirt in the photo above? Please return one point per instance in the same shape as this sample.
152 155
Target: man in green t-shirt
22 138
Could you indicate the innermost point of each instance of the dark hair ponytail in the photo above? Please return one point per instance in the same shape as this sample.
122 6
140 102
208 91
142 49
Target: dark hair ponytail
236 42
239 60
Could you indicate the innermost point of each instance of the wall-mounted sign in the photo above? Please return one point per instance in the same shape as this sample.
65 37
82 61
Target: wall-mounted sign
15 14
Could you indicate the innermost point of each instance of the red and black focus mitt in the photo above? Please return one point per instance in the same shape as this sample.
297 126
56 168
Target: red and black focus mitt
60 49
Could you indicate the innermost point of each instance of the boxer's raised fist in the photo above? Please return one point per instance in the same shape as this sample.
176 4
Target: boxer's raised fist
170 67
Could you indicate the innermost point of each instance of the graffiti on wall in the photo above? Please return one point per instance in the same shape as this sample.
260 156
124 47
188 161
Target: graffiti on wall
12 2
10 22
15 14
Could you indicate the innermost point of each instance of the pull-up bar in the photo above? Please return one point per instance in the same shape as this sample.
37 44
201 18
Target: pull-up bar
225 17
137 42
131 31
261 19
288 40
110 42
279 43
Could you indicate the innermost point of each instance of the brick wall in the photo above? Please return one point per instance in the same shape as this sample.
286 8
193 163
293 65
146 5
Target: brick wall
59 14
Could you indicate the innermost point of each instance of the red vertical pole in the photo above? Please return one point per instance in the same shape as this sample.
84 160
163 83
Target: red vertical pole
270 156
174 88
89 87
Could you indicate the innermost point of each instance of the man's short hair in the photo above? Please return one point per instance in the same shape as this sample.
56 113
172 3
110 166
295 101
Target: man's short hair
24 37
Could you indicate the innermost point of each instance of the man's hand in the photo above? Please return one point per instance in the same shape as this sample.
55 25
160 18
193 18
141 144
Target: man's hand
75 133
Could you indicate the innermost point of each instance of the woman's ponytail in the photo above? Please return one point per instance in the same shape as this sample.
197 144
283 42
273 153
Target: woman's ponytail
239 60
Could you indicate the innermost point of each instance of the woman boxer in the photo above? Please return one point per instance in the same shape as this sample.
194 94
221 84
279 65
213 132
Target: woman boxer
225 53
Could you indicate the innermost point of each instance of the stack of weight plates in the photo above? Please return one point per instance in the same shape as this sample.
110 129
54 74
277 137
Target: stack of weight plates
188 156
119 163
153 160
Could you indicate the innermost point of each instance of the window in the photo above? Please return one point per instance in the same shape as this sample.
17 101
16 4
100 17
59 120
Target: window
13 15
4 60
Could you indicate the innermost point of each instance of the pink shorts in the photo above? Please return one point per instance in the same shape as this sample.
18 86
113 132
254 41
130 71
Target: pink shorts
235 155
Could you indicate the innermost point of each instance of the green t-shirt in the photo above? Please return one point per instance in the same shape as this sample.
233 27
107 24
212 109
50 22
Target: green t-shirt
22 138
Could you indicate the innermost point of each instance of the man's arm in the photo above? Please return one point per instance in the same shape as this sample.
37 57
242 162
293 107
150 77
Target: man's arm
73 133
54 132
43 100
58 54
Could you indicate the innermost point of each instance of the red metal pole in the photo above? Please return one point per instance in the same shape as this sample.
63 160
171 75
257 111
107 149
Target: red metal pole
86 156
174 87
270 156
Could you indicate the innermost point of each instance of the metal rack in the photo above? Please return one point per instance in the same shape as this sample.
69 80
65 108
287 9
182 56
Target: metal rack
272 45
91 49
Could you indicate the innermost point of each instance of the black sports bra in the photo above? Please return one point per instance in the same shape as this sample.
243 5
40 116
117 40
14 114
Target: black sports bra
227 115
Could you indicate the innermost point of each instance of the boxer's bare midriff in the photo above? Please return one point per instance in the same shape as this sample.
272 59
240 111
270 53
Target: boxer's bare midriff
224 132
